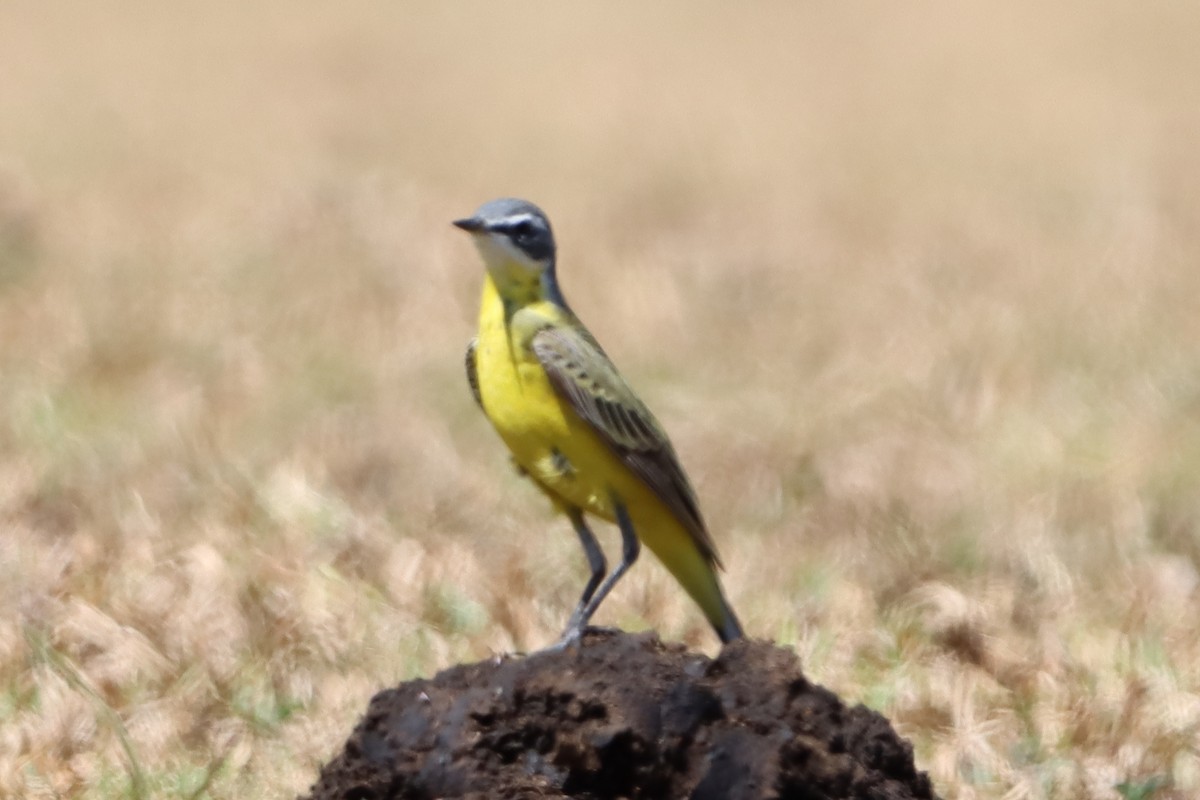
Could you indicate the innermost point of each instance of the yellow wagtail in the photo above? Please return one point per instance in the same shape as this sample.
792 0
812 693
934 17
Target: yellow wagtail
572 423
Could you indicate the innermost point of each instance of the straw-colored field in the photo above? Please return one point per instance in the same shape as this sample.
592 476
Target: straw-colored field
915 290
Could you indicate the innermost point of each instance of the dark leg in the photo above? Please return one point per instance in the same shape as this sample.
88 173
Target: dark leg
596 562
630 547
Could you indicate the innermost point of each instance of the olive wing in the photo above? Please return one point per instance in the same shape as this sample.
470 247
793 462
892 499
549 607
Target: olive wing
584 376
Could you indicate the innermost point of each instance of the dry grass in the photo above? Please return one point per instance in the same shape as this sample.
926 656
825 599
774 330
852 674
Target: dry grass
914 290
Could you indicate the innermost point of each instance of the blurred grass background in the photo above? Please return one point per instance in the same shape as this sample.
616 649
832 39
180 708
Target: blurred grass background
914 288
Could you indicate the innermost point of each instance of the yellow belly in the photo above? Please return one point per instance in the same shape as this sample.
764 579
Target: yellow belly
547 439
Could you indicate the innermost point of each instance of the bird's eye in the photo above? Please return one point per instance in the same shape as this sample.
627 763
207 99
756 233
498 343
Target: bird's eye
522 230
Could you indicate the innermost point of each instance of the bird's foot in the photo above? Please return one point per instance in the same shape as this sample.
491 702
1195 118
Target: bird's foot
573 635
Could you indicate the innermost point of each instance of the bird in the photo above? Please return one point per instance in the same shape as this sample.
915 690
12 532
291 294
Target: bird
572 423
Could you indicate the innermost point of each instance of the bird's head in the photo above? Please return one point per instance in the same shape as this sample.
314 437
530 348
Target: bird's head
515 240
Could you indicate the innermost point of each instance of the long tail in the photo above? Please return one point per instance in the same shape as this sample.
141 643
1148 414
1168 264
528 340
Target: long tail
699 578
725 622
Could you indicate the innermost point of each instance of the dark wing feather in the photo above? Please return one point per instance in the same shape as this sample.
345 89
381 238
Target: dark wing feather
472 373
583 375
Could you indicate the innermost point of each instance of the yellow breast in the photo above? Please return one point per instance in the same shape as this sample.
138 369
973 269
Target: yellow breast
517 395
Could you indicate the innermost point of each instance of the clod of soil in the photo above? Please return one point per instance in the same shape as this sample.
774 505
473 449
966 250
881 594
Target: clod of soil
625 716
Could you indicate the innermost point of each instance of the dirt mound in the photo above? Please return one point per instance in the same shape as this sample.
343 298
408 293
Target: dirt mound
622 716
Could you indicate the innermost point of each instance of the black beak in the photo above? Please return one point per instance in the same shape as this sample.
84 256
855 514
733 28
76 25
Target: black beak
470 224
